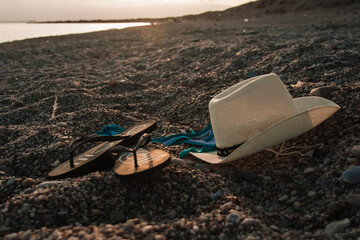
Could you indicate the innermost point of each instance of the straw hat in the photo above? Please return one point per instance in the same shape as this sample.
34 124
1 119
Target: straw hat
259 113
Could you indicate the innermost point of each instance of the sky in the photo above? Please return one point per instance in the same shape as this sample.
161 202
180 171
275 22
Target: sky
52 10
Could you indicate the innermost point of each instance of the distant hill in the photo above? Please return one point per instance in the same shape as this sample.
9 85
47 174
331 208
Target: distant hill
272 7
243 11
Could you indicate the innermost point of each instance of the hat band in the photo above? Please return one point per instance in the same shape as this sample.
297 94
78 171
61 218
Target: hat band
224 152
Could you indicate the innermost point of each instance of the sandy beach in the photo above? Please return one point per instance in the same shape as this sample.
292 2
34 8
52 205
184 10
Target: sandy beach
168 73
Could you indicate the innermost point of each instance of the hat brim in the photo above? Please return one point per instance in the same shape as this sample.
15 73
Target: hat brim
312 112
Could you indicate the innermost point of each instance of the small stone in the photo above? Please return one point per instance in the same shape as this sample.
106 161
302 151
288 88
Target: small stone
202 166
300 84
351 175
43 130
324 92
226 206
129 224
12 236
223 236
291 235
326 161
147 229
353 160
83 205
353 199
297 204
10 181
250 222
267 178
73 238
247 190
326 183
117 216
56 163
355 150
277 69
216 195
283 198
27 182
235 216
196 228
249 176
309 170
179 162
251 74
159 237
336 227
50 183
61 124
171 214
311 193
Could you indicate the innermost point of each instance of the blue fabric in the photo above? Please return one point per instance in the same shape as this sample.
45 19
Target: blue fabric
110 130
204 138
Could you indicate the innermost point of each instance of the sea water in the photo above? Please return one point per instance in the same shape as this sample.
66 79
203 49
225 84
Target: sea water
19 31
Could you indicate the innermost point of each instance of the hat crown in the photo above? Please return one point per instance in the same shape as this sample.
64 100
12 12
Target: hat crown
249 107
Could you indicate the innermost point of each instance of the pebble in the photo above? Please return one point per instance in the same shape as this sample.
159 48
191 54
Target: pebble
336 227
12 236
251 74
10 181
202 166
61 124
291 235
326 161
250 222
297 204
247 190
283 198
300 84
226 206
324 92
159 237
223 236
353 160
171 214
27 182
179 162
43 130
83 205
235 216
249 176
351 175
311 193
50 183
216 195
355 150
309 170
117 216
353 199
147 229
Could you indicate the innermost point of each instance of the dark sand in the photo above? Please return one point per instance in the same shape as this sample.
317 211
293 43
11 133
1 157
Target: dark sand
168 73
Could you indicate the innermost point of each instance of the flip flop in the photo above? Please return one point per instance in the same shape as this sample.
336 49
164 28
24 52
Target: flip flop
98 158
139 161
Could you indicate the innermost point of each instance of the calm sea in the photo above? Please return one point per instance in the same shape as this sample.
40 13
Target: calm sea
19 31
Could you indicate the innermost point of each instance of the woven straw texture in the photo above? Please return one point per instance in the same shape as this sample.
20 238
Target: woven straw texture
274 118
